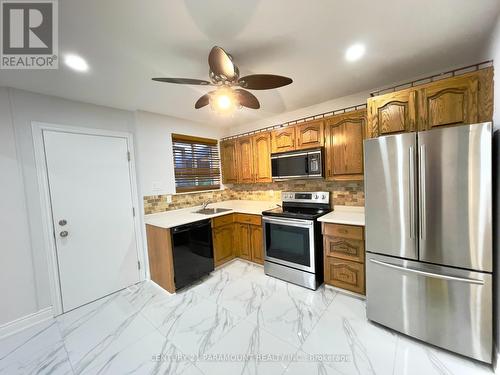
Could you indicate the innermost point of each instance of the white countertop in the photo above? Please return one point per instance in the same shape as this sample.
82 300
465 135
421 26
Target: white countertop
169 219
345 215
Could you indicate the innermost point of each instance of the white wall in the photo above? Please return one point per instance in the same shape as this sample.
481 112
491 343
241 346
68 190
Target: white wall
154 148
17 282
339 103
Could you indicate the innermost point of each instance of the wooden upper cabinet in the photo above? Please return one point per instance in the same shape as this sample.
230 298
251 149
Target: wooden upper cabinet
228 162
395 112
283 139
464 99
244 160
309 134
452 101
344 146
262 157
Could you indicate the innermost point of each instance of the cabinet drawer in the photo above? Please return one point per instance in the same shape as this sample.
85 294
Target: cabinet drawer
345 231
222 220
344 248
248 219
345 274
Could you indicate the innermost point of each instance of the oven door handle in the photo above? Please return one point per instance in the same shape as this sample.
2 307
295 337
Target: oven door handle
288 221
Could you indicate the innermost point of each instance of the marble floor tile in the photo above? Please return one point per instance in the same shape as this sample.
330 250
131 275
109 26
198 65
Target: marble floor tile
292 314
110 324
152 354
367 348
249 350
214 284
231 322
198 328
241 297
165 314
37 350
414 358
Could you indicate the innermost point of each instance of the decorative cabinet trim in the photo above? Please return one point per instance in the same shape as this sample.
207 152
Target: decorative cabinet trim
345 274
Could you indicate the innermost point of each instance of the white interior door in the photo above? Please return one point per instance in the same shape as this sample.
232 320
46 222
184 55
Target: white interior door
92 210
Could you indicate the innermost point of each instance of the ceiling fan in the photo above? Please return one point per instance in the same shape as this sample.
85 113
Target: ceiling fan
230 93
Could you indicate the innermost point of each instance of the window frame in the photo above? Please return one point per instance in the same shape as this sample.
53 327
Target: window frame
214 157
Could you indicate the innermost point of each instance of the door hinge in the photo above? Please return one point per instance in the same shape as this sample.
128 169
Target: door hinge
139 264
128 155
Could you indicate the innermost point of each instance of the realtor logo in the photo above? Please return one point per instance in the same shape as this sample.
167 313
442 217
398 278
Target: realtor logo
29 34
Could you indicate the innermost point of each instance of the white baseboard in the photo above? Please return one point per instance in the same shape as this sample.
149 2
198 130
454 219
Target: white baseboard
24 322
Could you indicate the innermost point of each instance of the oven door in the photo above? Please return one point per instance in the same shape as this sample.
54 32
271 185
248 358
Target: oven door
289 242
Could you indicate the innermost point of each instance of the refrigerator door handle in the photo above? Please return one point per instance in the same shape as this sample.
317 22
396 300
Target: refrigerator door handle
412 191
421 189
428 274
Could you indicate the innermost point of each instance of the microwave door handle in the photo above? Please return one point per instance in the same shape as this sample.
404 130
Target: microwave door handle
307 159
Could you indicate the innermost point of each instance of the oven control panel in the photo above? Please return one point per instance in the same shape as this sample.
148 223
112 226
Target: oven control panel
306 196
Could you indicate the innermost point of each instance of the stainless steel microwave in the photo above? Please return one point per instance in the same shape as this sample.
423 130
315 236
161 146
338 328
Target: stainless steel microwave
297 164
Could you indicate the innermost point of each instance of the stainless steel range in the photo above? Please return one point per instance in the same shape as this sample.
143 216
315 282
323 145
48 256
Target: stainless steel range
292 238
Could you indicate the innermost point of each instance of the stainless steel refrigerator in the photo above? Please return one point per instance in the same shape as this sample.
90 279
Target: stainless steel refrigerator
429 236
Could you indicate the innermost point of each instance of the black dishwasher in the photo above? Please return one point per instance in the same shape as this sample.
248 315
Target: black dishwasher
192 252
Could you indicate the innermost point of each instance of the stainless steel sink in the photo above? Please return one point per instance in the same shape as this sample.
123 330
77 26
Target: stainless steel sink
212 211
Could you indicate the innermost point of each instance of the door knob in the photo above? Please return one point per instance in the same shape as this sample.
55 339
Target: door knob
64 233
62 222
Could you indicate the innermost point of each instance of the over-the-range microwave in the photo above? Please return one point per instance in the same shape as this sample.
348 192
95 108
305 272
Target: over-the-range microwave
297 164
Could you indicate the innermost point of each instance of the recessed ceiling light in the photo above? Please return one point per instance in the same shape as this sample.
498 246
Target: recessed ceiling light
76 62
355 52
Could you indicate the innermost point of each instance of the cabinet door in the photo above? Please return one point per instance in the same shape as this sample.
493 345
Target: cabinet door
310 134
283 139
262 157
242 234
223 244
245 160
344 146
228 162
392 113
452 101
256 244
345 274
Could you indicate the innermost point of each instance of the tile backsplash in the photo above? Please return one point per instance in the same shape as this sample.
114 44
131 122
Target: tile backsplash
346 193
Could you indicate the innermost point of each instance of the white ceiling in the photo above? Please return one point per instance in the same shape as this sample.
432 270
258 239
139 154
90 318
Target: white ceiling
127 42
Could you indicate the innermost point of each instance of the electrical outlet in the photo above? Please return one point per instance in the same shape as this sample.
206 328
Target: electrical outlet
169 198
271 193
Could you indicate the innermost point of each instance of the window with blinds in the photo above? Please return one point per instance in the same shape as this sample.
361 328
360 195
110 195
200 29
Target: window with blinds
196 163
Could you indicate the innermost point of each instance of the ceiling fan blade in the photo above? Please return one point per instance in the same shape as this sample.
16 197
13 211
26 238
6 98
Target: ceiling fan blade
183 81
263 81
247 99
202 102
221 64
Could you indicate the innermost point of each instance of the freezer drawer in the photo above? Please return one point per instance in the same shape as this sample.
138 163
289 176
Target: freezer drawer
443 306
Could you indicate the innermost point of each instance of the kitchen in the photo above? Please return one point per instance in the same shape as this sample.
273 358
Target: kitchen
276 224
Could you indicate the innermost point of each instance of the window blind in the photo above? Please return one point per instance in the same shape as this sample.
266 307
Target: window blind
196 163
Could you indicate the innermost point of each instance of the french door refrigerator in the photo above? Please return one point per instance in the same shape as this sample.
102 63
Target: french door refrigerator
429 236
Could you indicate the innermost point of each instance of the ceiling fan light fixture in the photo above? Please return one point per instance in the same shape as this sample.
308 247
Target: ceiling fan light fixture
223 101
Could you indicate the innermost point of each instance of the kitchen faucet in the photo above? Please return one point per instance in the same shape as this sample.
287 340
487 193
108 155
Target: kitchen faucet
205 204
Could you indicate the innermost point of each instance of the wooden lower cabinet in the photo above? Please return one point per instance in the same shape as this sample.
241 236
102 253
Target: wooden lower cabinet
256 244
161 263
237 235
223 244
248 237
344 256
242 237
345 274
